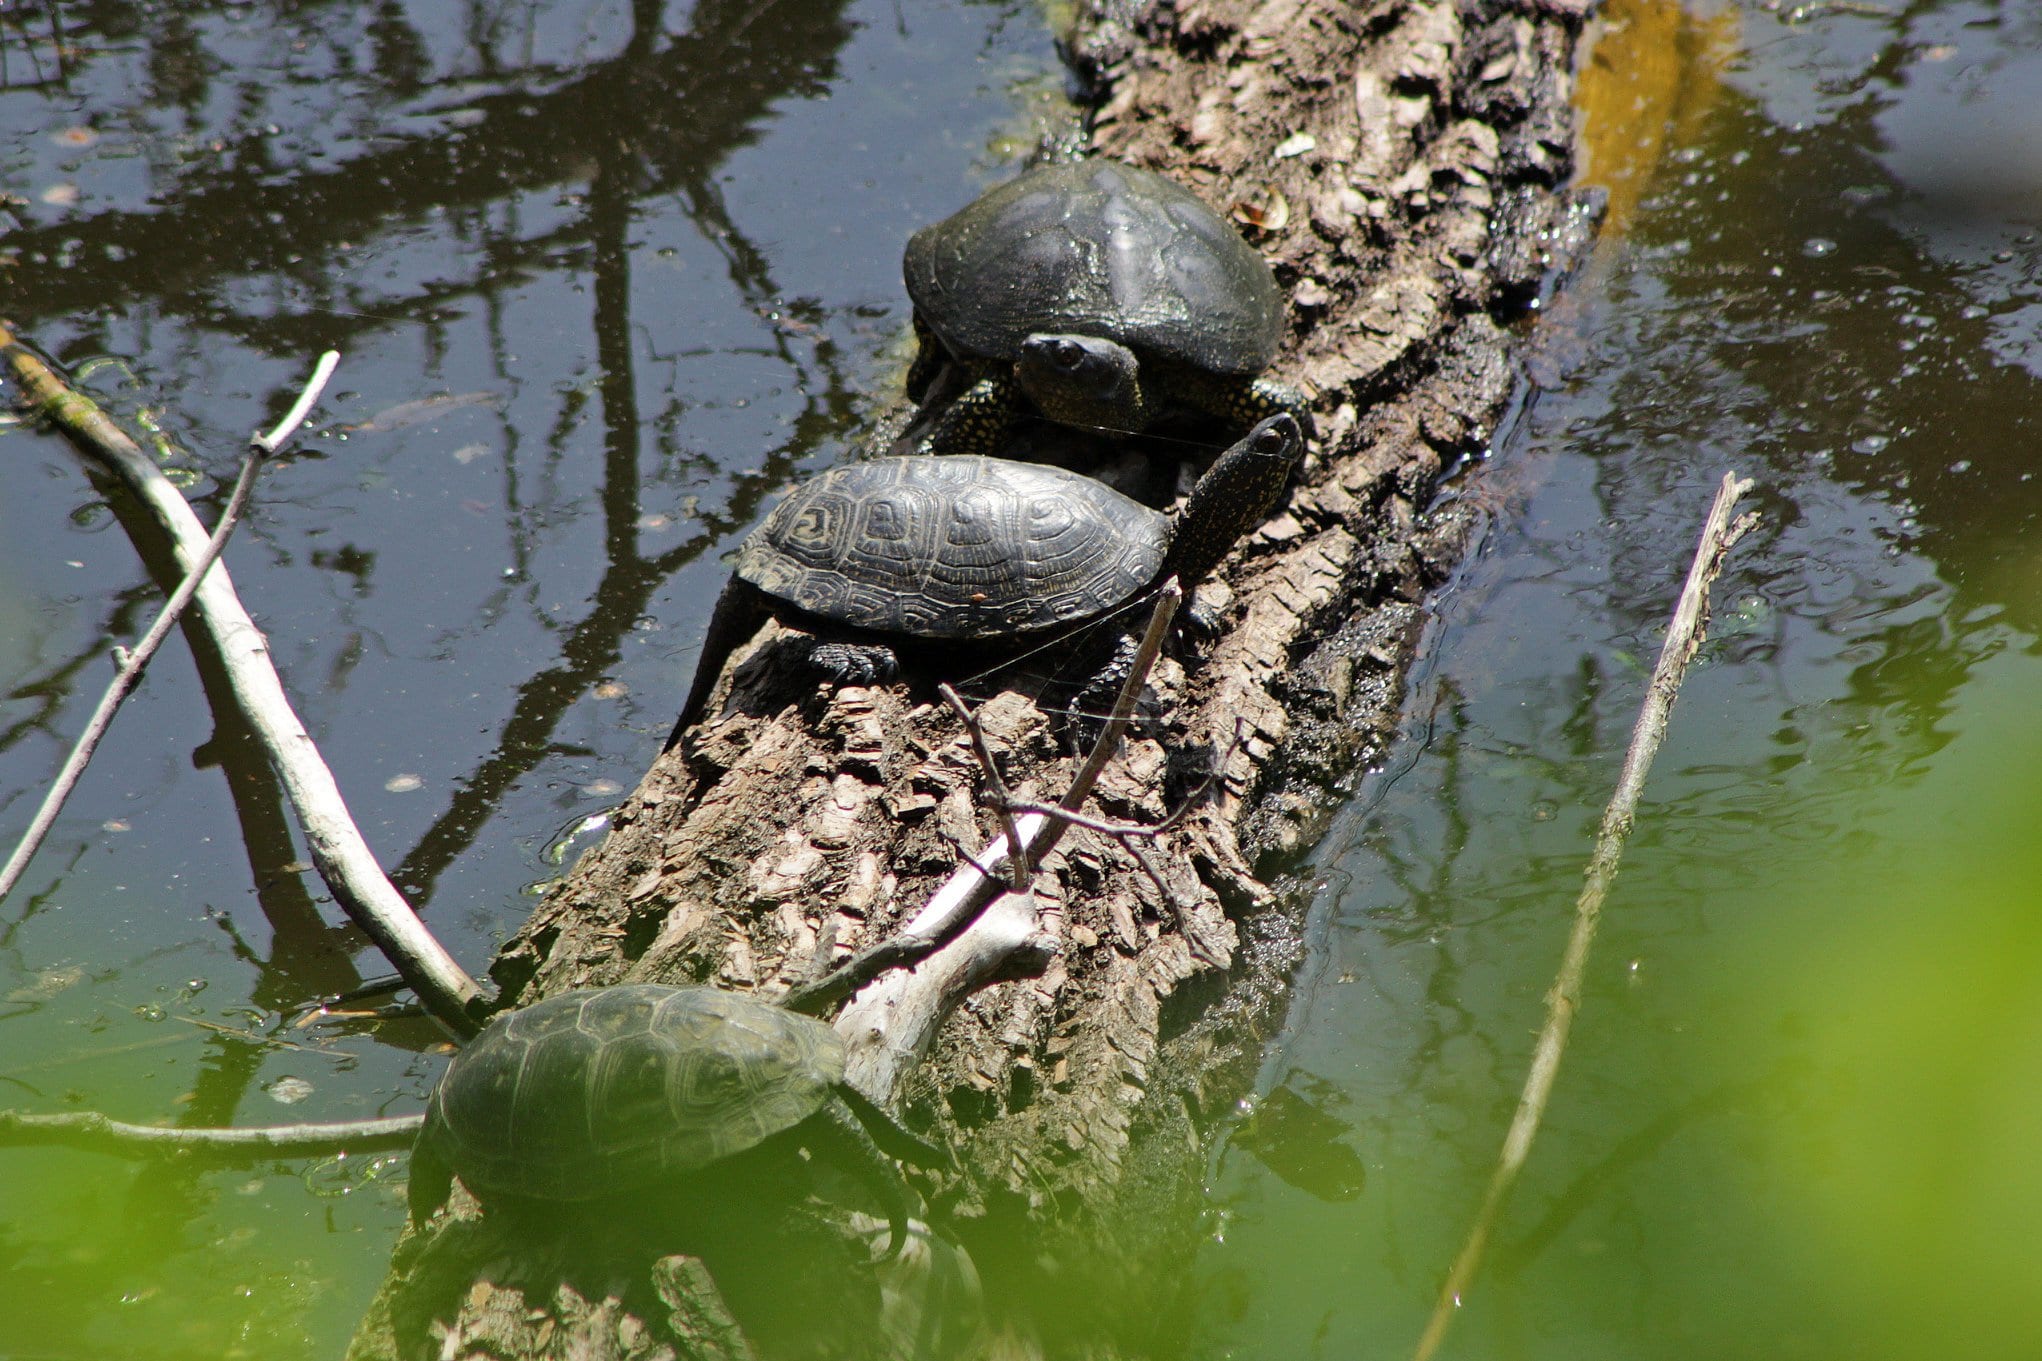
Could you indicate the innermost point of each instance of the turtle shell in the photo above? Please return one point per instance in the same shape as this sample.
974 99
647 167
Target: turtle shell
955 547
1103 249
603 1090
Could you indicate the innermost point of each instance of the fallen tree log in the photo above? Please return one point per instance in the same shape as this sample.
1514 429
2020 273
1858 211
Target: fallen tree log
1404 167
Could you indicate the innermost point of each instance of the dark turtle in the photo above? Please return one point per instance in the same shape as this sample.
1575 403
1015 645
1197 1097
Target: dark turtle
974 549
1103 293
603 1092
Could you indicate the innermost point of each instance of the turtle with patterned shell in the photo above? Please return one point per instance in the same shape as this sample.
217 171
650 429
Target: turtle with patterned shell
1102 294
968 549
606 1092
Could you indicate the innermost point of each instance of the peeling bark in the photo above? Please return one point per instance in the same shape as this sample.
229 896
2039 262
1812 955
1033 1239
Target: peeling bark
1403 165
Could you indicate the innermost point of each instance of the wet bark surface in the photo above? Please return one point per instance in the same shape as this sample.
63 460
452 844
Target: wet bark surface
1403 167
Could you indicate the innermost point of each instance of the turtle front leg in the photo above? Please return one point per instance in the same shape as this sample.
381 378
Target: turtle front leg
1092 704
1244 403
977 422
877 1170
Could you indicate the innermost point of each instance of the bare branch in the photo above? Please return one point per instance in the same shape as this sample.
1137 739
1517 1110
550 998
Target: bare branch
1020 872
1168 597
967 892
130 666
976 933
1683 637
132 663
343 858
322 374
96 1133
1135 829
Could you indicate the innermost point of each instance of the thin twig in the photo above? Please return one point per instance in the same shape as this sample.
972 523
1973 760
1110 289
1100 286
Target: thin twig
1019 871
97 1133
322 374
968 891
343 858
131 664
1683 637
1168 597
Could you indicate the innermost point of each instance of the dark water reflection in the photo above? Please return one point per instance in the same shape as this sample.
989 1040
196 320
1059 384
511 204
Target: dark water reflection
1790 1120
605 276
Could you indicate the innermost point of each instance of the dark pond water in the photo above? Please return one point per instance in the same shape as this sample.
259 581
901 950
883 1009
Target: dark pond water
1800 1113
606 276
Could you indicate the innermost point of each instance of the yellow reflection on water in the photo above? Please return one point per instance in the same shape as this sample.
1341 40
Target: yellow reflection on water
1648 83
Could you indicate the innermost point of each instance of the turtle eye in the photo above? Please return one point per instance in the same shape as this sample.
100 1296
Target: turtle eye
1068 353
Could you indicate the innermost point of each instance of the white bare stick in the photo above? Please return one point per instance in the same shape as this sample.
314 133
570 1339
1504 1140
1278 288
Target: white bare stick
131 663
890 1025
322 374
343 858
96 1133
126 676
1683 636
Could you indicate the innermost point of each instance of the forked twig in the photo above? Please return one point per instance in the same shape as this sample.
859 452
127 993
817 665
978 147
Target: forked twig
342 856
1126 831
1020 871
969 890
1683 637
132 662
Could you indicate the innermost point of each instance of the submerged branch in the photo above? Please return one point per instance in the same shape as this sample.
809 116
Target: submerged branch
338 849
1683 637
97 1133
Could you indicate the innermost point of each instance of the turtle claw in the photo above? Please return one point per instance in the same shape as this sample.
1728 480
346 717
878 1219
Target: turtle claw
855 663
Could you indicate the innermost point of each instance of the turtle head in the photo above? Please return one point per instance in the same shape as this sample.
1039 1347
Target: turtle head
1232 497
1084 381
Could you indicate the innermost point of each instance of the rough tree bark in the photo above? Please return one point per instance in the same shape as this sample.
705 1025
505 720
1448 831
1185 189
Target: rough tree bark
1403 164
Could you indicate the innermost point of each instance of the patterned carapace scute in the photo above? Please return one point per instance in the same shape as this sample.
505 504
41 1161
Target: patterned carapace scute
955 547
